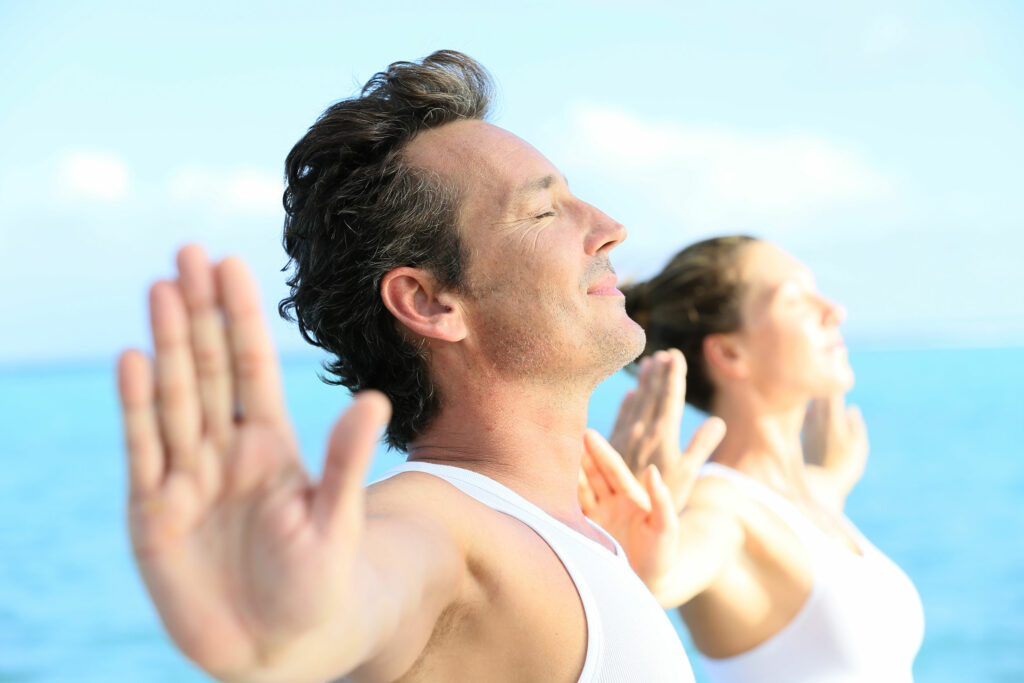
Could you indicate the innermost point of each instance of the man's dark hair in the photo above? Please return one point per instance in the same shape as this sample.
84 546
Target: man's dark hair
356 209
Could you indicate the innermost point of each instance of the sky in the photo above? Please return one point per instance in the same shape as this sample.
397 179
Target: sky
880 142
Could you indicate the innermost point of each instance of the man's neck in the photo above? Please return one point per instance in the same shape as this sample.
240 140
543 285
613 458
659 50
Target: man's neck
527 437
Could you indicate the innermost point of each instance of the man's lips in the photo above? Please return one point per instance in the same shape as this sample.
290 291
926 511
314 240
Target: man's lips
606 286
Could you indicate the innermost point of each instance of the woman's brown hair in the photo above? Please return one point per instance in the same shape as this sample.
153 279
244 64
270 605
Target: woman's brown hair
697 294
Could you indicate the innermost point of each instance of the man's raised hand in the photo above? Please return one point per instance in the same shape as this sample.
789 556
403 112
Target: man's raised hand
246 559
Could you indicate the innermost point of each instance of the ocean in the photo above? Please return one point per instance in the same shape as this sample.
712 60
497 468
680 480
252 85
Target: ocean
943 495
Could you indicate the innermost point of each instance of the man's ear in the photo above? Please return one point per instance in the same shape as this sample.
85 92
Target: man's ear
417 302
726 356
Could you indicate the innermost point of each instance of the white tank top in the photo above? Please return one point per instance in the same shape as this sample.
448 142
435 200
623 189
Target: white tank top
862 621
629 636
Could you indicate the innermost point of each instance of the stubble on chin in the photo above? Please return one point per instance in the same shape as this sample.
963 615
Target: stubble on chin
527 349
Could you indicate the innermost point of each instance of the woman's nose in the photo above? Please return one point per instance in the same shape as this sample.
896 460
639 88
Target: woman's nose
834 312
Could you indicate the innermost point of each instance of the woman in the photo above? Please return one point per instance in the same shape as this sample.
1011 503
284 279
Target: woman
771 579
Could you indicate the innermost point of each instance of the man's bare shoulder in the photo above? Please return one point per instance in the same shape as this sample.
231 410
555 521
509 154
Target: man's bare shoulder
443 513
480 532
500 625
418 494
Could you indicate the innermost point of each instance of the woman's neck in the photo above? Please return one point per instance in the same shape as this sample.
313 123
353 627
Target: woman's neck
764 443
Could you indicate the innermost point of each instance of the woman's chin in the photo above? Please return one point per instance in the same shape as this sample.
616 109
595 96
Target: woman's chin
838 381
843 381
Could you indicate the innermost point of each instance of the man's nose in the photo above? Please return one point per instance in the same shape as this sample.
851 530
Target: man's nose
604 234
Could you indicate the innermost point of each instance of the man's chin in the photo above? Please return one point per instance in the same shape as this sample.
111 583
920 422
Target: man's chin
624 346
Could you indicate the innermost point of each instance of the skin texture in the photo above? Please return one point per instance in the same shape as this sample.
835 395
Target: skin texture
737 571
262 573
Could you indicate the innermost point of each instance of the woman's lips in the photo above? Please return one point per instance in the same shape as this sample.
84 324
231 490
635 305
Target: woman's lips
837 346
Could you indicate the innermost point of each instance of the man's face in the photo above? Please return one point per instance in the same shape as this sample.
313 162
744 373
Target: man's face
541 300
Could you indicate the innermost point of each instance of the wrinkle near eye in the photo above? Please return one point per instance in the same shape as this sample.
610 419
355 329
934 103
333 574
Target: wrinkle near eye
523 229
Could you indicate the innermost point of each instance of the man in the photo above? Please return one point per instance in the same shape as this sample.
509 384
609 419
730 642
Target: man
444 262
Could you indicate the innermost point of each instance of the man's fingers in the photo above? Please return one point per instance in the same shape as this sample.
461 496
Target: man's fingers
614 471
141 430
177 395
349 452
209 343
256 371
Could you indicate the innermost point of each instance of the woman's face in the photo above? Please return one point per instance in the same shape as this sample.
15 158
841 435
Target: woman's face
790 332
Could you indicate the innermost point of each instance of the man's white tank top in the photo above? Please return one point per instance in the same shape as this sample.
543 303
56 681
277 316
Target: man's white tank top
862 621
629 636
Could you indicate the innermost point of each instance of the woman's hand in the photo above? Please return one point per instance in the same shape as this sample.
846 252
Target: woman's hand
643 513
647 428
835 442
640 516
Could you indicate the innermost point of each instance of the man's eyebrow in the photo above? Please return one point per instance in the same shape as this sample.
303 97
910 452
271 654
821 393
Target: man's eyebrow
521 194
537 184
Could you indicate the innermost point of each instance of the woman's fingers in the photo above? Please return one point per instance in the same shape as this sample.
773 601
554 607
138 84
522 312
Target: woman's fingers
599 487
856 420
676 388
704 441
141 428
612 470
649 392
209 344
858 430
624 421
588 501
835 409
256 371
702 444
670 409
177 396
663 515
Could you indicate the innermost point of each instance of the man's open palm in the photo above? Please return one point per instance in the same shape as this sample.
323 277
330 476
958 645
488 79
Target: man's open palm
243 554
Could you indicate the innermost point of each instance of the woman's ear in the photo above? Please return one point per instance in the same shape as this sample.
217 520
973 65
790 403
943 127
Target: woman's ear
417 302
725 356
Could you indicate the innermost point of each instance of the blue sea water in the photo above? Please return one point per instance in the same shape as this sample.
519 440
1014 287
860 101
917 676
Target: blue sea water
943 495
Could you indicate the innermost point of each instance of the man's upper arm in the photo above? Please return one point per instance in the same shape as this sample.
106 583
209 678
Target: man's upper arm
414 561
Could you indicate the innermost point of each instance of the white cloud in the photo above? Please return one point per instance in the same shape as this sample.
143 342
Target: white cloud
717 178
240 191
884 35
92 175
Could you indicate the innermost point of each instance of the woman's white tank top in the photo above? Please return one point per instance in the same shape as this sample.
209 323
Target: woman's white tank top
629 636
862 622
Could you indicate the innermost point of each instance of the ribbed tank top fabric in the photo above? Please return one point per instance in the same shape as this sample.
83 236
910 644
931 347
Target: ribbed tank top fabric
629 636
862 622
